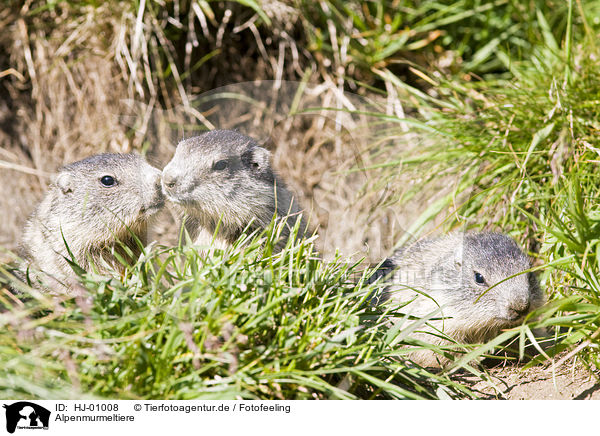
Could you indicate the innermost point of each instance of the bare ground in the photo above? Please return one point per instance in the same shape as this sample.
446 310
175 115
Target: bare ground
570 381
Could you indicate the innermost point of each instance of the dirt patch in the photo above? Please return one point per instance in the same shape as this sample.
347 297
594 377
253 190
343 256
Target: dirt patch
571 381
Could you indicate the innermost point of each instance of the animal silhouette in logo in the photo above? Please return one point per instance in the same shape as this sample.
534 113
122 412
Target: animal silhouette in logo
27 415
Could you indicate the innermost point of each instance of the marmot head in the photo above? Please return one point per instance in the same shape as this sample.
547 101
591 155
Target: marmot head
222 175
106 196
486 293
477 278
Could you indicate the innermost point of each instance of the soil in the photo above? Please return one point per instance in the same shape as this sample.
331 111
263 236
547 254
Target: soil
570 381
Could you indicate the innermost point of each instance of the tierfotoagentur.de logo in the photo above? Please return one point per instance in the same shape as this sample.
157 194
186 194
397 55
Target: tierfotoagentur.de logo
26 415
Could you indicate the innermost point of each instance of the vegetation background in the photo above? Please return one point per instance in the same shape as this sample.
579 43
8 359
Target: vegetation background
390 119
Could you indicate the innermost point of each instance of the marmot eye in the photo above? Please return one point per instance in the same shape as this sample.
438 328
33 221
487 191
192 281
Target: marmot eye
479 279
220 166
108 181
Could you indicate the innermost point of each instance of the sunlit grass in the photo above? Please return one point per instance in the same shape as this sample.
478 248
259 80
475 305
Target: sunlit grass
513 110
526 153
242 323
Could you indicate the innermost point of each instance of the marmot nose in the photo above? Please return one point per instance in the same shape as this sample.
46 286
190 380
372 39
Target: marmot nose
518 309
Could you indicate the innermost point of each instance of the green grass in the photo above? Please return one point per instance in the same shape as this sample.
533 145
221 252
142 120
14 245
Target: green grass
243 323
526 153
515 114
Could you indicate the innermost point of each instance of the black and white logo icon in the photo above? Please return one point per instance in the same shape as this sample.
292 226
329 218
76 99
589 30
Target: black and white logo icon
26 415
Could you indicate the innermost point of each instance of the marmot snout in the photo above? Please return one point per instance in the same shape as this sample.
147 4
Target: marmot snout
98 205
225 178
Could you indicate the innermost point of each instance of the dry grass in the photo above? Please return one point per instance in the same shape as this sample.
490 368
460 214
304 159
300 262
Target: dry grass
60 106
77 79
73 91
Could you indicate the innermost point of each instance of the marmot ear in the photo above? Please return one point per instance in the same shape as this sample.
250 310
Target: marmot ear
259 158
64 182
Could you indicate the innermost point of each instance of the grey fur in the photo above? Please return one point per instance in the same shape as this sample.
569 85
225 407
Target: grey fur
95 220
444 268
246 190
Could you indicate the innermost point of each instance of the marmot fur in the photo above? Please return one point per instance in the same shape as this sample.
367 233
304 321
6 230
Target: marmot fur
94 208
223 178
457 273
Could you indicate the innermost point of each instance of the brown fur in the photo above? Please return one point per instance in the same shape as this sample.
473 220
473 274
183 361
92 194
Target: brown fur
445 270
93 221
244 192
